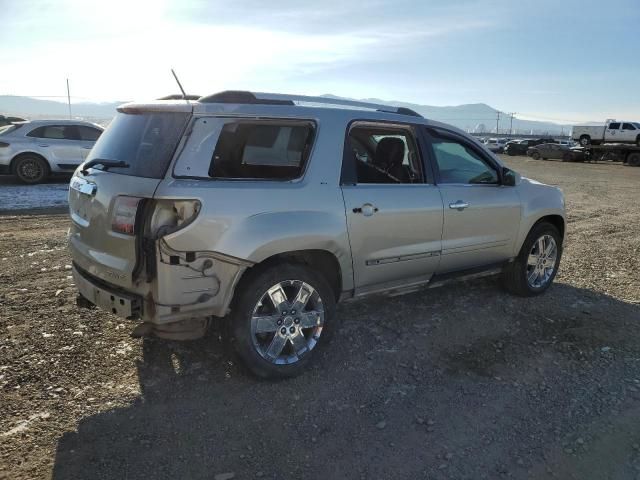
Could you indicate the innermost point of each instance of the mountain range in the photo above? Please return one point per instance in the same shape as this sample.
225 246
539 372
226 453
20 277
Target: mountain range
475 117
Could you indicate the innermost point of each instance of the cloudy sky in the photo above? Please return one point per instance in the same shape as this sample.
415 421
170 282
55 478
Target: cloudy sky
565 60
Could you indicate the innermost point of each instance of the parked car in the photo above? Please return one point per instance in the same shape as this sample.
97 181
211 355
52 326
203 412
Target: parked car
520 147
496 145
550 150
267 212
612 132
4 120
35 149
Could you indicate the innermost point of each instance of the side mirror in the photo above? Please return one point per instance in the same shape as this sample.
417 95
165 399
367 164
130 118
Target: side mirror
510 178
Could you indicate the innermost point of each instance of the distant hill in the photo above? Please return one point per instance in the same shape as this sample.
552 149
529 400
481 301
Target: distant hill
467 117
29 107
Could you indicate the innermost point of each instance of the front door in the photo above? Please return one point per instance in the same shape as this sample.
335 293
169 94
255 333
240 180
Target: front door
394 214
481 216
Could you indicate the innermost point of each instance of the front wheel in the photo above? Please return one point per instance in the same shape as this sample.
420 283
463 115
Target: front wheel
585 140
535 267
281 316
535 156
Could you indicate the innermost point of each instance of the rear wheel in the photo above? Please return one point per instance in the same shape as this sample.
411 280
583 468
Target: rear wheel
633 159
535 267
585 140
280 318
535 155
31 169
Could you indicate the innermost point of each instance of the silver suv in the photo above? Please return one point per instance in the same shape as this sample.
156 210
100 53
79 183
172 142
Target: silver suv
35 149
268 209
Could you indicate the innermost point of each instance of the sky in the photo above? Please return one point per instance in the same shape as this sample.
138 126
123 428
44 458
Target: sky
556 60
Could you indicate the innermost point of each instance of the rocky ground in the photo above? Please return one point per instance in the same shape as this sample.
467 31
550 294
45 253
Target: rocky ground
461 382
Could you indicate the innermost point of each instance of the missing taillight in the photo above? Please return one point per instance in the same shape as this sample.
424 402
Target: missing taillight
125 210
172 215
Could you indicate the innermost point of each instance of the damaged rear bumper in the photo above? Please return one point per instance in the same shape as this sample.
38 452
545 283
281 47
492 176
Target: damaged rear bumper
180 293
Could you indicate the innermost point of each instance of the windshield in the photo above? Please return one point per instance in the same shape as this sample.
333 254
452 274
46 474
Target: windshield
145 141
636 124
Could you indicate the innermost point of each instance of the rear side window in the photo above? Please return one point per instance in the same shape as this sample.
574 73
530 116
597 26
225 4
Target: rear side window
145 141
262 149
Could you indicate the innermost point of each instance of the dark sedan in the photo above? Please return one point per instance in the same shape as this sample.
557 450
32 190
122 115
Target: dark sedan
550 150
520 147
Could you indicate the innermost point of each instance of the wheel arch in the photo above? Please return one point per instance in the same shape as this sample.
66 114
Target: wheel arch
555 220
320 261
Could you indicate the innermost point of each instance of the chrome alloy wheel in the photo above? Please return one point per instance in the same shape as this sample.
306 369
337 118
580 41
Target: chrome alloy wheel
542 260
287 322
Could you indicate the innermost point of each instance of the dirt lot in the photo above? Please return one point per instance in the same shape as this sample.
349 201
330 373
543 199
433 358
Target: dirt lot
458 382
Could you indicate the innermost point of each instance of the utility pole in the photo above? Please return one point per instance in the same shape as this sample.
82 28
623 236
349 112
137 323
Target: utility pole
498 112
511 124
68 98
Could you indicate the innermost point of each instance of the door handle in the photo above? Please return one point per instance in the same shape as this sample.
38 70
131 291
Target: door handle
43 145
86 148
459 205
367 209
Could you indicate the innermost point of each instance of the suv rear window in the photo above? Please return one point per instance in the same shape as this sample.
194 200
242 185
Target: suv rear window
267 149
145 141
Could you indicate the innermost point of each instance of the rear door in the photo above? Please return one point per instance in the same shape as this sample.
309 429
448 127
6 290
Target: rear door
105 204
612 132
394 211
481 216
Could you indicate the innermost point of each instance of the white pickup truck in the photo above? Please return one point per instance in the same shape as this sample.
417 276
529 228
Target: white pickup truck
612 132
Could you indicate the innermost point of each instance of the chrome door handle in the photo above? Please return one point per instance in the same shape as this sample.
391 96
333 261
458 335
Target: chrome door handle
459 205
43 145
367 209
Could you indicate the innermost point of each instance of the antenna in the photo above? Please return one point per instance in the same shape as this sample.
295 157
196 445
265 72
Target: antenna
184 95
69 98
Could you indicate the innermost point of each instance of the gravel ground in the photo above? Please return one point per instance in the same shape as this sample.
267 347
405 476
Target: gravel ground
461 382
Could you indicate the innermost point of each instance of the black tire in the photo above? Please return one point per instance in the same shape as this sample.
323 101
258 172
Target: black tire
31 169
638 141
250 292
514 276
585 140
535 155
633 159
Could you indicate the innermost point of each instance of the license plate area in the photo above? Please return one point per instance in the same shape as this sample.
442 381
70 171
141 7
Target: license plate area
122 304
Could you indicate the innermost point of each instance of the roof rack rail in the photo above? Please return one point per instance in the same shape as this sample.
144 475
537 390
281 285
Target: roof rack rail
238 96
179 96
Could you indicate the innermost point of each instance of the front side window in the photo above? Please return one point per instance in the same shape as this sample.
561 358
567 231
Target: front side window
262 149
459 163
628 126
88 134
384 154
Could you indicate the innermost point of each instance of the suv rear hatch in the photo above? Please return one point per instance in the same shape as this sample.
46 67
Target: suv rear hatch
107 200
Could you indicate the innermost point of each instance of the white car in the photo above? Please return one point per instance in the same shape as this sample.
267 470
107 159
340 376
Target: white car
612 132
35 149
496 145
